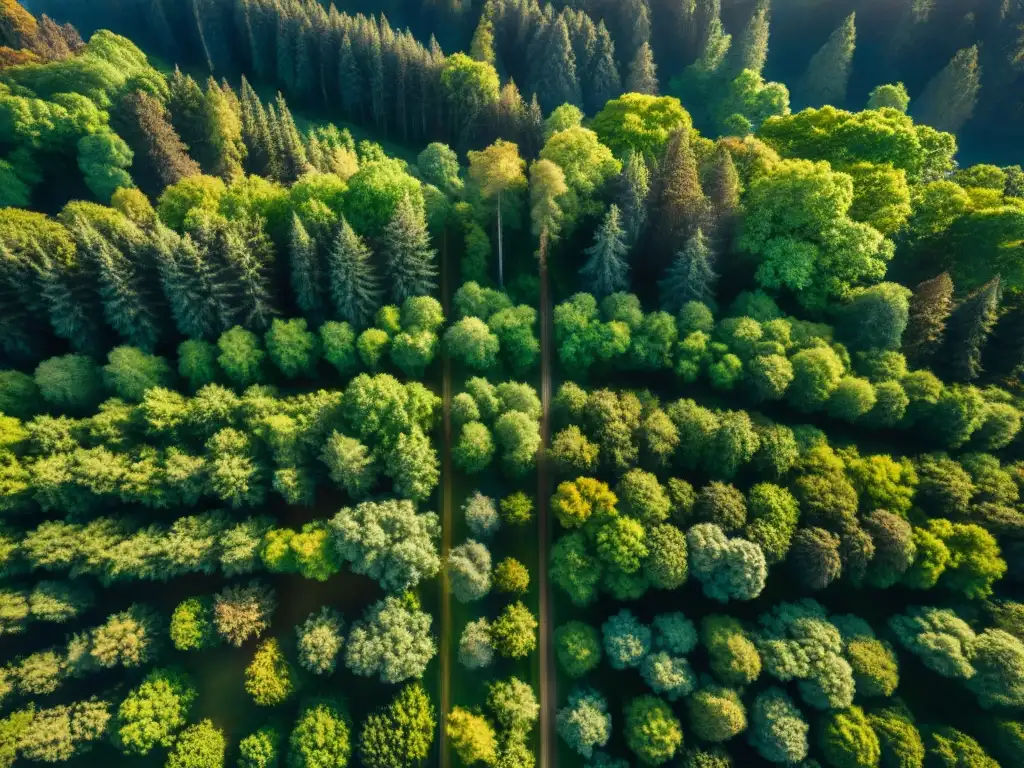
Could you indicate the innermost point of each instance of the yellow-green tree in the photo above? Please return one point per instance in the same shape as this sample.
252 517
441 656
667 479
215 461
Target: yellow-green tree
498 171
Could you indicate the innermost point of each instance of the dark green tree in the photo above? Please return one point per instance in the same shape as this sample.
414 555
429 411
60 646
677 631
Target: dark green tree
681 203
930 308
643 72
969 328
949 99
607 271
828 72
691 277
306 277
408 256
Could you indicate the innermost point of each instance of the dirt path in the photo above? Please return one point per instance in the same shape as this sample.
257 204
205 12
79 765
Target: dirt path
548 693
446 522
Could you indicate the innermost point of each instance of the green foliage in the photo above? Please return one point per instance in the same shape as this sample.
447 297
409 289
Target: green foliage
472 737
321 736
653 733
192 626
152 713
578 648
260 749
392 640
847 740
198 746
400 734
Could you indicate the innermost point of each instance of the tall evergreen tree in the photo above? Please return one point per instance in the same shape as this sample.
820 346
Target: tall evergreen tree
225 140
691 277
607 270
555 80
288 143
722 185
930 307
199 304
682 206
601 81
71 303
643 73
751 50
949 99
246 256
533 129
408 257
828 72
161 159
17 336
260 158
969 327
352 278
482 47
126 307
186 106
712 41
306 275
634 188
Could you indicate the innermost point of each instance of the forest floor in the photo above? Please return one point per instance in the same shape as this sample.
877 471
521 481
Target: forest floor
548 693
447 521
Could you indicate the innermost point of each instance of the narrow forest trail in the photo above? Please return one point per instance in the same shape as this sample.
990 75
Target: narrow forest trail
447 520
548 693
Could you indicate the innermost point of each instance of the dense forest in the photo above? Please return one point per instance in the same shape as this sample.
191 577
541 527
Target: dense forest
598 384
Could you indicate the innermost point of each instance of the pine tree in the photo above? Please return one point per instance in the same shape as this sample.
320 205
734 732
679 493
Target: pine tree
71 303
246 257
306 277
161 159
349 80
643 73
607 271
291 152
828 72
751 51
511 114
713 40
408 257
601 79
969 327
125 305
306 74
255 132
188 112
198 303
225 141
482 47
682 206
634 190
948 101
352 278
533 129
722 185
286 50
691 277
555 80
930 307
18 337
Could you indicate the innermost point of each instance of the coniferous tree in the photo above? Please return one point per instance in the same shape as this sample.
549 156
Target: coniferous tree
17 337
751 51
828 72
634 190
352 278
601 81
643 73
712 41
306 277
691 277
198 303
511 114
288 144
533 129
408 257
186 106
607 271
482 47
555 80
930 307
161 159
246 256
260 157
969 327
126 307
287 29
70 302
723 190
225 139
682 205
949 98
